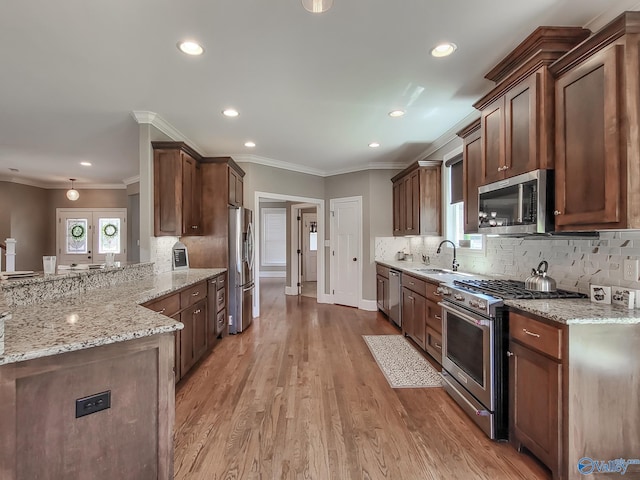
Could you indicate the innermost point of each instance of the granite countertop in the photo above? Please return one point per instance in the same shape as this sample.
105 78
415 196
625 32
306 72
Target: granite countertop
564 311
98 317
571 311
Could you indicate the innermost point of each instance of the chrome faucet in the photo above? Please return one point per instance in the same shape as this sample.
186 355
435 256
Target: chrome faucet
454 267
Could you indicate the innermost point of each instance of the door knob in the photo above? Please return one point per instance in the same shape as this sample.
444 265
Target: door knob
355 259
557 212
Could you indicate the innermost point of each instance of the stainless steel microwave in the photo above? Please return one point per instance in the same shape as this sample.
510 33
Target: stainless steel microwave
518 205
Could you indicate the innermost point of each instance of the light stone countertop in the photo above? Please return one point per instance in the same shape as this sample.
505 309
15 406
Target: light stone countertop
565 311
98 317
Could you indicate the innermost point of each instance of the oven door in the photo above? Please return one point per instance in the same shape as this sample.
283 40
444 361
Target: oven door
467 343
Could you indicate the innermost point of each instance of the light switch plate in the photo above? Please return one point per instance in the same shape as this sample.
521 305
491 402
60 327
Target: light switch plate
601 294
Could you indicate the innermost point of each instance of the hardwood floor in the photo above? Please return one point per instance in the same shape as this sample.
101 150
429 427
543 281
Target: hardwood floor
298 395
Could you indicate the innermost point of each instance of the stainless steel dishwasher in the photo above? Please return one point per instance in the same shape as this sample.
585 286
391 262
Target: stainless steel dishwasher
395 296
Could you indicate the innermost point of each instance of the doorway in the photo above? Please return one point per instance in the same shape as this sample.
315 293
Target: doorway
291 283
86 235
309 261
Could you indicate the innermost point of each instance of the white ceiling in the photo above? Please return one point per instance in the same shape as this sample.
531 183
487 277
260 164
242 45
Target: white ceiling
312 90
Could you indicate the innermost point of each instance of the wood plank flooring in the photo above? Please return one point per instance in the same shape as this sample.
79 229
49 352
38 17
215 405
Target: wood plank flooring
299 396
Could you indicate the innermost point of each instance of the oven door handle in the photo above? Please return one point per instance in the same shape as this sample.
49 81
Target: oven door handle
467 318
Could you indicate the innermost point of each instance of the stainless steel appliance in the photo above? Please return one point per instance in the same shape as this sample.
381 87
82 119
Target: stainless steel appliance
395 297
241 255
474 347
517 205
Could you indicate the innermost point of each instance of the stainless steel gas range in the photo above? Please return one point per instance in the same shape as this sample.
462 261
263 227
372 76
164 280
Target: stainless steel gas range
474 350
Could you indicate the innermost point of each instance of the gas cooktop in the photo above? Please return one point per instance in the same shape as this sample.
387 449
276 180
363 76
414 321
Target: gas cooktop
511 289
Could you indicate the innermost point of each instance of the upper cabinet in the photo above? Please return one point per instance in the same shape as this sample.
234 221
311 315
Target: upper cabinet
177 190
597 136
517 115
417 200
236 184
471 173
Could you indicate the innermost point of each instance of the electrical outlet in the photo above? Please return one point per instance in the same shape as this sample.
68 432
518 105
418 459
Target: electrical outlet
631 269
93 403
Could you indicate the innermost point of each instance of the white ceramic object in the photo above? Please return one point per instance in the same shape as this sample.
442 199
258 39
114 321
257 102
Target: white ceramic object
600 294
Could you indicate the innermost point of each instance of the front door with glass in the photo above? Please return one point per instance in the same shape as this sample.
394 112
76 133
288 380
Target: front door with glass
87 235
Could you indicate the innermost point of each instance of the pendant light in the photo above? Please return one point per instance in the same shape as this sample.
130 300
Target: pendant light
317 6
72 193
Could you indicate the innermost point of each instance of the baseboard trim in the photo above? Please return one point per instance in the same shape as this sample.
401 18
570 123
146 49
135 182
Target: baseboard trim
264 274
290 290
368 305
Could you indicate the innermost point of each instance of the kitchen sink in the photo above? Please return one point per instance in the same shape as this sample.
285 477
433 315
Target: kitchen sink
433 270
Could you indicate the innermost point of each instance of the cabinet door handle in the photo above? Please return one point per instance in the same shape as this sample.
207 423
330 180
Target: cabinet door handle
162 311
411 283
510 354
438 317
437 345
195 294
410 297
197 312
537 335
557 212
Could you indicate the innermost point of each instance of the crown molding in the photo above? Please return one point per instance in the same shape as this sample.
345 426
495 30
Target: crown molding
23 181
62 186
607 16
368 166
447 137
131 180
270 162
151 118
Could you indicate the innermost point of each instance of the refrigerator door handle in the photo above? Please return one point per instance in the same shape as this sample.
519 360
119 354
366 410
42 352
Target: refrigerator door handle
250 240
250 287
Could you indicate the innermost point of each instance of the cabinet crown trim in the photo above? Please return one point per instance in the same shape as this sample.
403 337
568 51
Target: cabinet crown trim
176 146
415 166
225 160
469 129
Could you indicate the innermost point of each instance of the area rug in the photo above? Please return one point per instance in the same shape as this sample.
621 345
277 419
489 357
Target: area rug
401 364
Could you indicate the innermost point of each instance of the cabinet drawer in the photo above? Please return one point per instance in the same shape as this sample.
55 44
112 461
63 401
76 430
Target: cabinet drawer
432 292
412 283
221 296
191 295
434 344
168 306
434 316
221 281
537 335
384 271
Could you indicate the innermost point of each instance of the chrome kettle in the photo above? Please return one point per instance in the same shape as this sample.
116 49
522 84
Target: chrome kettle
539 281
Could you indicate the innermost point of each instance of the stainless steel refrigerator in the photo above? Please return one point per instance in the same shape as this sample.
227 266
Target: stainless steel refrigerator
241 256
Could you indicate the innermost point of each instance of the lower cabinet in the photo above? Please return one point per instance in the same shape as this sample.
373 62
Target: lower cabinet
193 337
536 354
433 339
413 316
382 293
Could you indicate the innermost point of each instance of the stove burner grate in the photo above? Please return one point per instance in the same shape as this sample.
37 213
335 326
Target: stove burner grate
512 289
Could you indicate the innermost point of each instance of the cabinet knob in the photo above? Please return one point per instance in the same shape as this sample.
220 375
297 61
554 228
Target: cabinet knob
195 294
162 311
195 227
197 312
499 169
557 212
509 354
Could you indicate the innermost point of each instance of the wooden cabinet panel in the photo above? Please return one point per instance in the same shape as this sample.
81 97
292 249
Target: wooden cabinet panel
434 316
416 284
521 107
235 188
536 405
590 187
200 329
193 337
177 190
169 305
193 294
432 292
471 174
417 200
176 359
493 146
382 271
433 344
413 316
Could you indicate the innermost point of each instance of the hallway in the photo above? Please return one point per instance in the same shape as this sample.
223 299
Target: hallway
298 395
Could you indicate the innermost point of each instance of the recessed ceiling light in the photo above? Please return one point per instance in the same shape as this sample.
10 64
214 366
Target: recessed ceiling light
397 113
230 112
317 6
374 144
190 48
85 164
444 49
249 144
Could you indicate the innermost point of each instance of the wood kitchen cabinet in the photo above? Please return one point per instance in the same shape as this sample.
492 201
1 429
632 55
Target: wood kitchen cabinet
433 319
597 140
382 288
517 115
536 374
188 306
236 187
417 200
177 190
471 173
414 308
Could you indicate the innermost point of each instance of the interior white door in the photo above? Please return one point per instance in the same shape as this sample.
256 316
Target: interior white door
346 247
85 235
310 248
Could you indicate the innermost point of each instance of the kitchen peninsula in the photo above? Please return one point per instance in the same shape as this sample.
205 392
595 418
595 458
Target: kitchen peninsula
87 374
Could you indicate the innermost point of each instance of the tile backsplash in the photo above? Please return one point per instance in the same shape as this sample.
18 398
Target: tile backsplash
161 250
574 263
